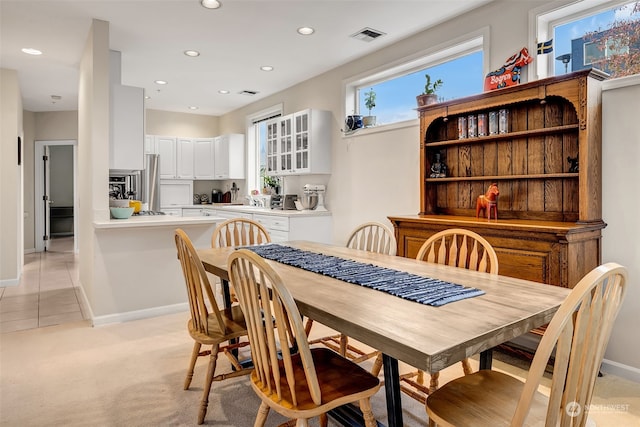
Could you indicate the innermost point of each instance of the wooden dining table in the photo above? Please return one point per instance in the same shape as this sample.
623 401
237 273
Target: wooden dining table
425 337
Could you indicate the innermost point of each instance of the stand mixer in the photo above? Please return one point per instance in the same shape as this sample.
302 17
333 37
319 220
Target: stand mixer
319 190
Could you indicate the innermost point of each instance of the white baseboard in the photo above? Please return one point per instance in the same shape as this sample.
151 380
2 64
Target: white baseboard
9 282
139 314
29 251
620 370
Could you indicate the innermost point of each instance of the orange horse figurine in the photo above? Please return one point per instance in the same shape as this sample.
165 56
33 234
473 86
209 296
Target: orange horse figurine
488 201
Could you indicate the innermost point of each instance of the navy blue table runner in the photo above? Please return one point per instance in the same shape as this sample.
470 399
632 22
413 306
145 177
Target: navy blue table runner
425 290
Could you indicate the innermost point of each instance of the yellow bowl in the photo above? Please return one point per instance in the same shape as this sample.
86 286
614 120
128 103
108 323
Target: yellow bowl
136 205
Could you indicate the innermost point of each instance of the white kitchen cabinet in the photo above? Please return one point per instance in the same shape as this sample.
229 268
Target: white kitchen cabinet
184 158
192 212
150 146
175 192
166 148
229 157
126 145
299 143
277 226
284 226
203 158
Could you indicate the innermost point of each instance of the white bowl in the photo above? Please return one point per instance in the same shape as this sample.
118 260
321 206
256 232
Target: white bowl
121 213
118 203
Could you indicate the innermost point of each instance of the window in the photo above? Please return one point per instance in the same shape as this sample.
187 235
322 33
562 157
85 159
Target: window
257 146
592 33
460 66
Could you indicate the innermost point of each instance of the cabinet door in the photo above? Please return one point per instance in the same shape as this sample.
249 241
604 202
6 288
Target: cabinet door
150 146
285 146
229 157
301 133
221 156
127 128
166 147
203 159
272 147
184 154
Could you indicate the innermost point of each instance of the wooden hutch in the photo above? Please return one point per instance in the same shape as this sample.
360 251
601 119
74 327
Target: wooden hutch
549 216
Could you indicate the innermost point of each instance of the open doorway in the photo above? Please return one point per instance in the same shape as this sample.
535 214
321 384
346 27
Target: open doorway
56 204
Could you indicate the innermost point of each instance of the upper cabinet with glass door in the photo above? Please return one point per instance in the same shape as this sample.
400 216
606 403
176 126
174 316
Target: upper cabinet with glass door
299 144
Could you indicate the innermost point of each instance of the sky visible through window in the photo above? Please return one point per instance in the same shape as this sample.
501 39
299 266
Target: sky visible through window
396 98
576 29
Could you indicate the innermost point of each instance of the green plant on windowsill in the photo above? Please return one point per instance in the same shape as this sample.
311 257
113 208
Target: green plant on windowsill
429 95
431 88
370 103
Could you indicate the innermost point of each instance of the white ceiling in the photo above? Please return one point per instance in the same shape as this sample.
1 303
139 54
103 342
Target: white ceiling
234 42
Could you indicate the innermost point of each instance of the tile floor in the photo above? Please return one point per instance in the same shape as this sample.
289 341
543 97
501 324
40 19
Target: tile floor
48 292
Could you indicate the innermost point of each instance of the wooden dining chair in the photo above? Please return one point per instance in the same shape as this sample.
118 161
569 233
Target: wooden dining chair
208 325
238 232
456 247
372 237
302 384
576 338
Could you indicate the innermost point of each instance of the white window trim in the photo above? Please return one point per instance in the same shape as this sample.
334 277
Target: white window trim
252 148
435 55
543 19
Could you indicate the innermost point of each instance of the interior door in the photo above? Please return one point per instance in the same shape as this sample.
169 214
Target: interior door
45 198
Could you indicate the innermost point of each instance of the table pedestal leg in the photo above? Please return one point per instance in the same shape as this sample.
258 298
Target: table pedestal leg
486 358
392 390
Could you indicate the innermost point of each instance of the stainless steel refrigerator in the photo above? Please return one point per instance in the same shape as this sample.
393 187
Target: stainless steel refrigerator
151 182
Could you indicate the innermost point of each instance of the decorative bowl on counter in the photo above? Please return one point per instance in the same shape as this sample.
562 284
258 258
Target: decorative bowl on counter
121 213
118 203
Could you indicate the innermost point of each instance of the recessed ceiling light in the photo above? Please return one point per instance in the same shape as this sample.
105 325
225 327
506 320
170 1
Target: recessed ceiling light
193 108
161 82
306 31
192 53
147 97
211 4
266 68
31 51
223 91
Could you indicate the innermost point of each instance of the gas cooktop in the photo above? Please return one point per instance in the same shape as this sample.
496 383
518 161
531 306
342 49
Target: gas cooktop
147 213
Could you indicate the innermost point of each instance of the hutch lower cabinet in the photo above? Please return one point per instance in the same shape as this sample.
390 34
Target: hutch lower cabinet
545 158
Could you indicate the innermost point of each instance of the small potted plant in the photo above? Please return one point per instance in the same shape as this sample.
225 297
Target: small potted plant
370 103
429 95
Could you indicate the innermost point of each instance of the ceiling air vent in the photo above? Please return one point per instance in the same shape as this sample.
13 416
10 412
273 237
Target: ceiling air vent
248 92
367 34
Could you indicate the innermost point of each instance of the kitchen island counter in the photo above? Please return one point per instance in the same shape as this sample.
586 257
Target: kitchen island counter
156 221
139 274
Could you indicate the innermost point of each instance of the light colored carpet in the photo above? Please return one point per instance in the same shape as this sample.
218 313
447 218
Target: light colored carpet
131 374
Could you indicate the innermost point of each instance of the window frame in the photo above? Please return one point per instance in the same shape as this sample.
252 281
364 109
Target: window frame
544 19
252 144
475 41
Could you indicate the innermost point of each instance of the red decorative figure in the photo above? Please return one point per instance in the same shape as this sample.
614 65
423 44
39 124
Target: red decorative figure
488 201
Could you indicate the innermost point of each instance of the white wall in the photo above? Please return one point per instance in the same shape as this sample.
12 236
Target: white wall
93 151
620 210
11 207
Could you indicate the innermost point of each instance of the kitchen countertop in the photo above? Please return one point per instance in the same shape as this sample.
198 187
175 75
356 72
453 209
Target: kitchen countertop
254 210
156 221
